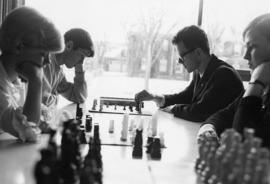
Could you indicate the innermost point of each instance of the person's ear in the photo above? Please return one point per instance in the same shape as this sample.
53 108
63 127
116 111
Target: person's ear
69 45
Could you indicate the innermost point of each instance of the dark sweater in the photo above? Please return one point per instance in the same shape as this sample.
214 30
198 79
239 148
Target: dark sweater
250 112
218 87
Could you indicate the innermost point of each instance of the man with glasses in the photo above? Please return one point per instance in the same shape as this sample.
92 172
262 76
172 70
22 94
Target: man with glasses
215 83
78 45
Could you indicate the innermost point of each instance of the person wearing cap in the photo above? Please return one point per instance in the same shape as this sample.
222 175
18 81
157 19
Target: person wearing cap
78 45
214 85
26 37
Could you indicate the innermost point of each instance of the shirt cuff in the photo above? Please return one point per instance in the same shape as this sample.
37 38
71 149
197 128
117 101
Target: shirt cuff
161 103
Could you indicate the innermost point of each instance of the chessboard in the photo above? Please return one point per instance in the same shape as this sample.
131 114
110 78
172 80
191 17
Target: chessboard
113 105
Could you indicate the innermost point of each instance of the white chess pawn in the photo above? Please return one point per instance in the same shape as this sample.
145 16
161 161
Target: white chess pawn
131 125
154 123
140 124
133 135
124 131
162 140
111 126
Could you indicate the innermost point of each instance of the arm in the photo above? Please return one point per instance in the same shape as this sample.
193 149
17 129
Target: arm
223 87
12 118
250 112
223 119
76 91
184 97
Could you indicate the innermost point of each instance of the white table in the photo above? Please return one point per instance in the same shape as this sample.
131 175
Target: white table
176 166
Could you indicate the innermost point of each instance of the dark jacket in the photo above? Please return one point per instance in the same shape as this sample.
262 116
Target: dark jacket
250 112
223 118
218 87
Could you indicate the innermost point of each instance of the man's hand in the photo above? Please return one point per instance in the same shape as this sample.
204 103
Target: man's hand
168 109
144 96
207 133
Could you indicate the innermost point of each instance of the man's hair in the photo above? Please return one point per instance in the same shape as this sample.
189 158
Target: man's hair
192 37
81 39
261 24
27 26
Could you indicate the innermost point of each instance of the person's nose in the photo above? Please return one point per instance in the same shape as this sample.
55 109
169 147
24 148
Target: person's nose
247 55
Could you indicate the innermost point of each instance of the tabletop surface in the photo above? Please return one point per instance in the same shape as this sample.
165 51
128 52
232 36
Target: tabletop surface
17 159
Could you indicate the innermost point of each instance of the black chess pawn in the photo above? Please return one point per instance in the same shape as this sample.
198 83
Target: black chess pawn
149 144
124 108
46 169
156 150
79 112
137 152
88 123
138 107
137 149
82 137
131 108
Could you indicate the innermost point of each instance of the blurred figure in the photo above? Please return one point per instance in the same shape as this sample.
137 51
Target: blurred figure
26 37
215 83
251 109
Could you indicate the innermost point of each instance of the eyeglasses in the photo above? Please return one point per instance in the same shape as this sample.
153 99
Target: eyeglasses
182 56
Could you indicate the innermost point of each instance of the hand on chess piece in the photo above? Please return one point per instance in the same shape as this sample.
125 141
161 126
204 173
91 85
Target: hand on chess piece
144 95
206 133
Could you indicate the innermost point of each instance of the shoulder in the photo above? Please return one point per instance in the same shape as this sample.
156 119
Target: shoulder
225 69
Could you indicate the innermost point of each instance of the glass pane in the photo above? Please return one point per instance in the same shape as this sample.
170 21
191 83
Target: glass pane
224 22
131 37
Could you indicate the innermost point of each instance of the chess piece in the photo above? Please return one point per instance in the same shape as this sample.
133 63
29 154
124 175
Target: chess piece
138 107
162 140
124 131
131 125
111 126
94 104
137 149
156 151
149 144
140 124
154 123
101 106
79 112
82 137
71 162
46 169
88 123
130 108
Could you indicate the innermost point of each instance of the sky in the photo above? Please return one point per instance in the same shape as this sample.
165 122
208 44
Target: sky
111 19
